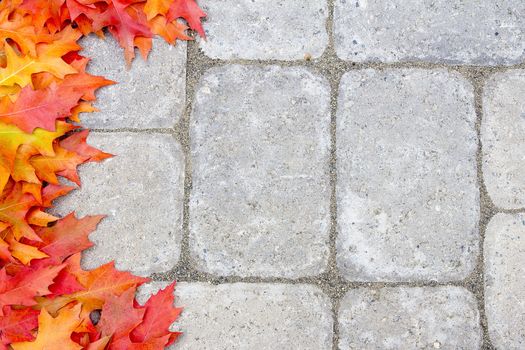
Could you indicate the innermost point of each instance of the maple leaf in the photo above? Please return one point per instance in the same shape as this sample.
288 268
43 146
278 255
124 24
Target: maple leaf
16 325
54 331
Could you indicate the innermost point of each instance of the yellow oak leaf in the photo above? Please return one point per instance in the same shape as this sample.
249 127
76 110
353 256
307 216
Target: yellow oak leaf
54 333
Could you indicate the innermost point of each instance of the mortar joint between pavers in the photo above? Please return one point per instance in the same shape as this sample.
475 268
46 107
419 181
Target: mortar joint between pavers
330 66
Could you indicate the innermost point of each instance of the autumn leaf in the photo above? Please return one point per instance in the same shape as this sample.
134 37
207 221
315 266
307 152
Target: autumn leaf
22 288
54 331
67 237
119 317
39 109
46 297
158 317
100 284
188 10
16 325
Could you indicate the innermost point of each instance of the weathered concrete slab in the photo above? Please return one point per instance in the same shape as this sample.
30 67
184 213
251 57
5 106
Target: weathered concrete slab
505 281
265 29
260 146
483 32
248 316
148 95
503 139
141 192
409 318
407 198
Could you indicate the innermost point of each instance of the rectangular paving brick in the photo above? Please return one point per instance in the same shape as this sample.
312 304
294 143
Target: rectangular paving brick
407 196
260 145
265 29
247 316
149 95
505 280
503 139
409 318
141 191
484 32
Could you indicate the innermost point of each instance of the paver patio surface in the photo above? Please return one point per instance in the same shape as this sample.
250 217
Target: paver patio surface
322 174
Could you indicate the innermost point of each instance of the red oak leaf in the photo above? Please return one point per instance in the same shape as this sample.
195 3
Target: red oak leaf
17 325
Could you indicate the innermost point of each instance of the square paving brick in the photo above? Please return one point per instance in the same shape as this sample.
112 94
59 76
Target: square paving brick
409 318
260 145
407 199
265 29
505 280
148 95
484 32
141 192
503 139
245 316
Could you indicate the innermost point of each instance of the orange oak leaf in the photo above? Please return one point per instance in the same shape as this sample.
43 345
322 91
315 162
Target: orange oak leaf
25 253
14 207
54 333
63 163
43 89
40 108
99 284
76 143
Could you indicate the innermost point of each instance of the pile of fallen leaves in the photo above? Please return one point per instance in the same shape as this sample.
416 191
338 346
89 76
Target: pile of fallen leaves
47 301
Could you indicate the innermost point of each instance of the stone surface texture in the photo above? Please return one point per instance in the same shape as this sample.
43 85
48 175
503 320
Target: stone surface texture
459 32
505 280
409 318
147 95
321 174
265 29
502 136
407 198
249 316
140 190
260 146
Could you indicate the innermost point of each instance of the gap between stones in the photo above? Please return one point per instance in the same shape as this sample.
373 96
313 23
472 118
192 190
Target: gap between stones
331 282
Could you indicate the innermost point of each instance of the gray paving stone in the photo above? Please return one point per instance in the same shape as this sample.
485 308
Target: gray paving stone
483 32
265 29
260 146
503 139
409 318
141 192
407 199
247 316
505 281
148 95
